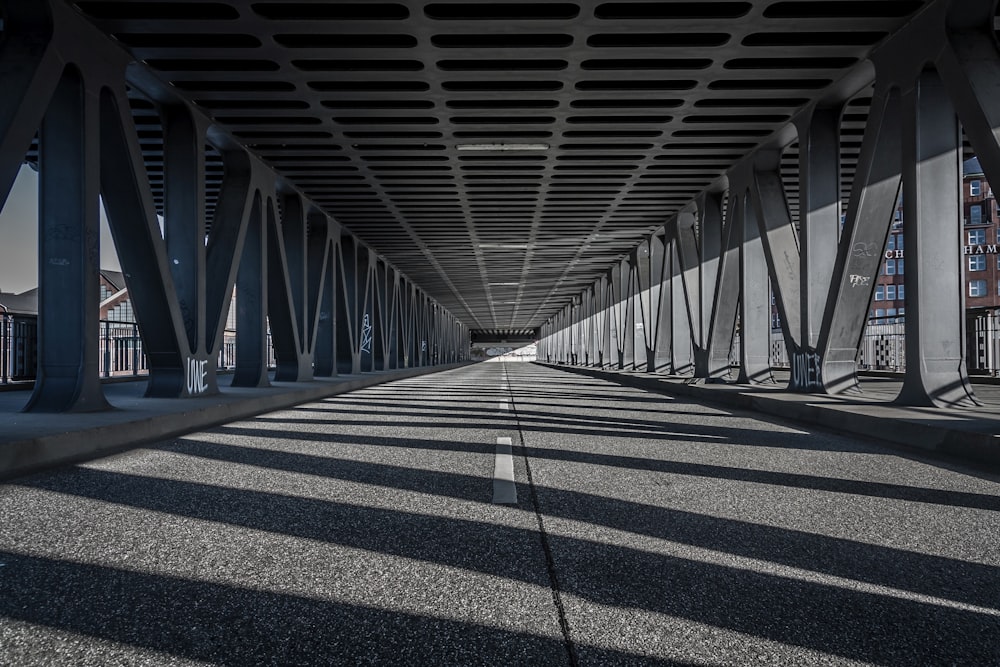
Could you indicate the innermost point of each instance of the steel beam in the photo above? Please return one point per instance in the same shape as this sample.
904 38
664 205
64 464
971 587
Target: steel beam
662 361
30 70
251 303
682 352
870 210
935 313
68 253
128 200
724 306
184 231
755 302
819 216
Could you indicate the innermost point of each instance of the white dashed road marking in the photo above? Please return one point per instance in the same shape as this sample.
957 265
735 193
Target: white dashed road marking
504 490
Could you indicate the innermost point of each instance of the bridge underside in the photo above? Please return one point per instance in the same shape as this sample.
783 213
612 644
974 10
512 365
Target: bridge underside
630 182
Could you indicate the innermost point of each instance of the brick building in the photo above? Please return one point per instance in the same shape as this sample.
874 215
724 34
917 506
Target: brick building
981 249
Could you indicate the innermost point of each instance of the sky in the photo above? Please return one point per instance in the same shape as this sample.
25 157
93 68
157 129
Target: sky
19 236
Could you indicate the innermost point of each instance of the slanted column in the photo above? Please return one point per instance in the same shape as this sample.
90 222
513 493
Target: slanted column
869 214
624 315
935 299
251 304
819 230
781 251
587 328
348 356
325 345
604 327
819 217
755 303
295 241
681 356
709 252
577 313
366 299
664 312
723 309
68 254
318 266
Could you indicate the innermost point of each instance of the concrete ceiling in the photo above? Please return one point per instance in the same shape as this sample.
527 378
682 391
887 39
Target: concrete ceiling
611 116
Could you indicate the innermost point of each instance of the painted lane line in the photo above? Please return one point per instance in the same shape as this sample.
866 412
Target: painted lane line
504 405
504 490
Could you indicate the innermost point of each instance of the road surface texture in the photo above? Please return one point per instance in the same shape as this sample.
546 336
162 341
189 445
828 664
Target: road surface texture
361 529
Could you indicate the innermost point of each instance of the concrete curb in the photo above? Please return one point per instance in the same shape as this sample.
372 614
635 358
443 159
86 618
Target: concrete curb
976 443
71 444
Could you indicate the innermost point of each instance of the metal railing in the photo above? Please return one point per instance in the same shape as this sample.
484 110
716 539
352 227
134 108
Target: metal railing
883 346
120 349
18 348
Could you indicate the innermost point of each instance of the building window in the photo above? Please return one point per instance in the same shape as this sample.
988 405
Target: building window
977 236
879 313
977 288
890 292
897 220
975 188
890 267
900 291
891 312
975 215
880 292
977 262
899 267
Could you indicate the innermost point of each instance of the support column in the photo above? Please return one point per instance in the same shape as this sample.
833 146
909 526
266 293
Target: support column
681 357
935 304
725 304
184 230
707 365
755 302
604 321
859 255
325 358
665 317
251 304
68 253
781 251
317 268
819 216
348 357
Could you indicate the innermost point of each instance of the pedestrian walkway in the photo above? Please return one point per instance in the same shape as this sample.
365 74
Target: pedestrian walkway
33 441
364 528
970 435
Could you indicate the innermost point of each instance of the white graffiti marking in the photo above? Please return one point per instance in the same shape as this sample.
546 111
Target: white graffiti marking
806 371
366 335
859 281
862 249
195 374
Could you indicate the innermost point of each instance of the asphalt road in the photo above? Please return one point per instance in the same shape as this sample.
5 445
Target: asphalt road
361 530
